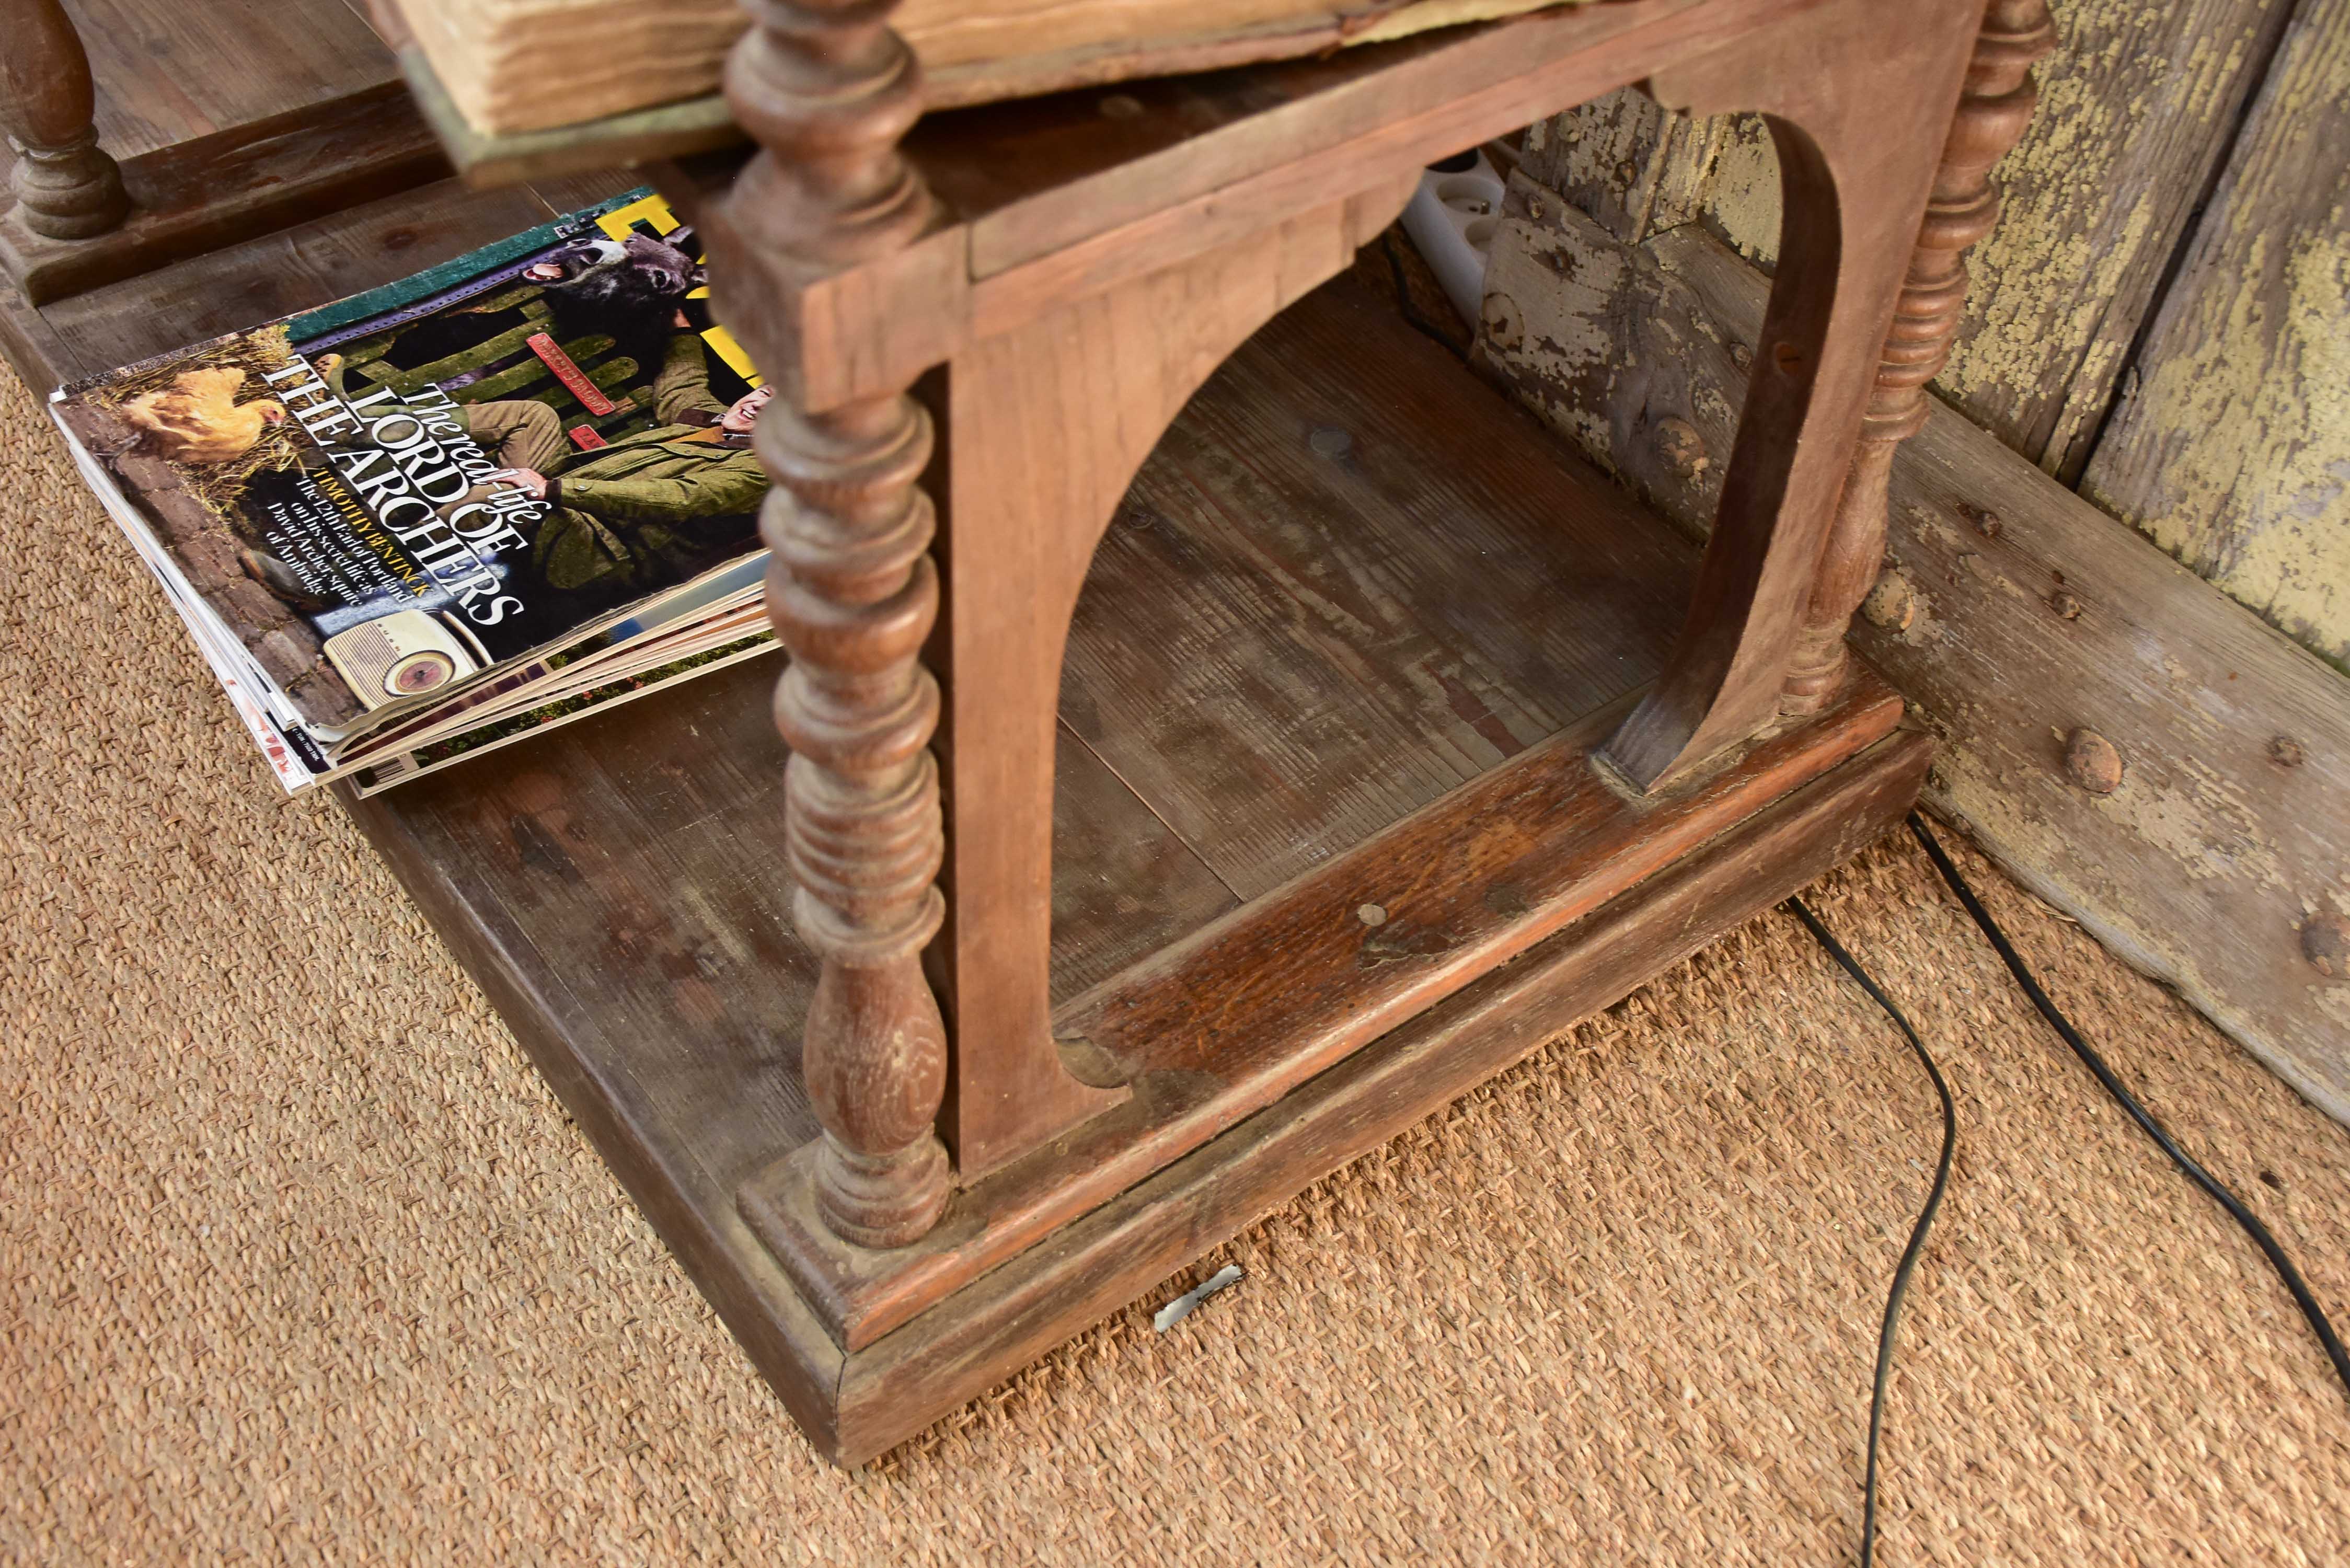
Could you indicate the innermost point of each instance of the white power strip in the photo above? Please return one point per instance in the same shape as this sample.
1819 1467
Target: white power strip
1451 218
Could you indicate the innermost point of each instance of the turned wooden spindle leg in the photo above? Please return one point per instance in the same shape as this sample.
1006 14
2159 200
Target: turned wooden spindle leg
1993 112
826 89
66 188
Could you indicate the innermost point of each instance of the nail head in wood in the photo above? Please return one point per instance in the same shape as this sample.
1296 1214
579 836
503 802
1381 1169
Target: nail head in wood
1682 448
2325 943
2092 763
1892 603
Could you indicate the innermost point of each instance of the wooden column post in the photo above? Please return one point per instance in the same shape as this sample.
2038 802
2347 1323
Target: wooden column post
1993 112
827 89
66 188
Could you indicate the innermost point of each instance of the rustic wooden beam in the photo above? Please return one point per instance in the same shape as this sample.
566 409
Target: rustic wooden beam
2016 616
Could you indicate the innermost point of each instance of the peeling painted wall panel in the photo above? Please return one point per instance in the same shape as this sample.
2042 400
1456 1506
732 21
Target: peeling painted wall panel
2135 109
2233 452
2231 829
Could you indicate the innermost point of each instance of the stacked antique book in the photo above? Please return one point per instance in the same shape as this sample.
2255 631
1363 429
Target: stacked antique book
511 65
412 525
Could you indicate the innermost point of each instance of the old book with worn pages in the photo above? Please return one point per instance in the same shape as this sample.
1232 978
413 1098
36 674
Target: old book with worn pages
416 523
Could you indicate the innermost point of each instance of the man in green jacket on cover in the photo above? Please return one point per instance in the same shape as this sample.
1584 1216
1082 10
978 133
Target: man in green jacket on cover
649 508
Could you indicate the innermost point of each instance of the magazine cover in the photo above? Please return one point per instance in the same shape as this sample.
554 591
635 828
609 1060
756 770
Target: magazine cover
459 483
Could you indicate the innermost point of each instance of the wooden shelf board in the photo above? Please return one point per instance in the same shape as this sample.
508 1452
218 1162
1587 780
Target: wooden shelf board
675 1104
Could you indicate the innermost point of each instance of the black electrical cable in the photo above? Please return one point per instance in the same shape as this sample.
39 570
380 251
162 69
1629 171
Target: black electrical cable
1899 1290
2203 1178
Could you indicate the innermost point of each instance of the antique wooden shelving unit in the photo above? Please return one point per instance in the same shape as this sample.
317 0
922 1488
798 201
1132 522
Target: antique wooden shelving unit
1223 728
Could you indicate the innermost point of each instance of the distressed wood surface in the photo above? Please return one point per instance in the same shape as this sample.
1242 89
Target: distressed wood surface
2136 106
169 72
1047 428
1993 109
2019 614
531 66
1114 1253
63 185
1219 1026
228 119
232 185
2233 452
274 274
1376 622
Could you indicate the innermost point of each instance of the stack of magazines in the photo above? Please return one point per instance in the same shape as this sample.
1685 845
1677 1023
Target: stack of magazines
441 516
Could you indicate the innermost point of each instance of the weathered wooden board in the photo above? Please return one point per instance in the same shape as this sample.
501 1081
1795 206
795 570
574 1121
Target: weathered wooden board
522 65
228 119
2021 614
2136 109
2233 449
169 72
1340 619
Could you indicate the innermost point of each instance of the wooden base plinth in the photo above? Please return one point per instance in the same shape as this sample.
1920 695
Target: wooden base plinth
1225 1023
1132 1234
972 1340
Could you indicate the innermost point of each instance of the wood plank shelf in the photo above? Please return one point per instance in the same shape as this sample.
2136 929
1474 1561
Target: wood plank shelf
1326 758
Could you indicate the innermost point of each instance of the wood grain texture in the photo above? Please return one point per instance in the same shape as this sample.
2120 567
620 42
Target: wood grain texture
274 274
1993 109
227 120
1090 1267
853 593
1368 619
1858 100
1223 1024
169 72
1064 211
529 66
655 849
2234 450
2017 613
1047 428
231 185
2136 107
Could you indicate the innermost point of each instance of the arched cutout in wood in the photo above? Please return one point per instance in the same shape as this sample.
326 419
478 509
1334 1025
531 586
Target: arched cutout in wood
1859 97
1049 425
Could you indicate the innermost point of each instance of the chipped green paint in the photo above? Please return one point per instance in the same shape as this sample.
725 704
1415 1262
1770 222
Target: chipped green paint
2131 107
2133 116
1741 199
2233 453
